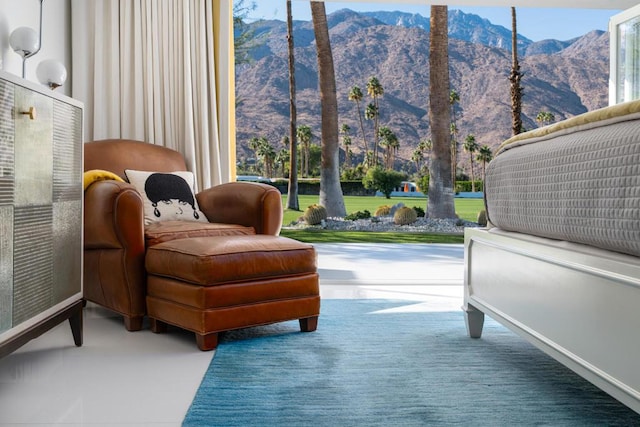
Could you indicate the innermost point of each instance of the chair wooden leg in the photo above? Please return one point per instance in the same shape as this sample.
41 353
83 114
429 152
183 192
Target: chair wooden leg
207 342
157 326
133 323
308 324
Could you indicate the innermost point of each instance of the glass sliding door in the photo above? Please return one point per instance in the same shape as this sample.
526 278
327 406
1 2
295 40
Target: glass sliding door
624 80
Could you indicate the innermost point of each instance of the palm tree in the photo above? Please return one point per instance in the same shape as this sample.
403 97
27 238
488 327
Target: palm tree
395 146
514 77
471 146
440 203
390 142
423 148
417 157
355 95
454 99
375 91
484 156
331 196
545 118
268 155
371 113
346 141
292 190
254 144
453 130
282 158
244 37
304 135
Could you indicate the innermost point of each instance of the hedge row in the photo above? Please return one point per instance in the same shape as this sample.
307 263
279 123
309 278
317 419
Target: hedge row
355 188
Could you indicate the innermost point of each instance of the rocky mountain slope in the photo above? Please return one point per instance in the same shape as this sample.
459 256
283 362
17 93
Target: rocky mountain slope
570 80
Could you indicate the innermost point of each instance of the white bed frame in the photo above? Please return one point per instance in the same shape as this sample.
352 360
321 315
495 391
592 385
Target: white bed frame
578 304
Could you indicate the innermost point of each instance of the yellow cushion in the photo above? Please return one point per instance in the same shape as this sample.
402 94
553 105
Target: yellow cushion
94 175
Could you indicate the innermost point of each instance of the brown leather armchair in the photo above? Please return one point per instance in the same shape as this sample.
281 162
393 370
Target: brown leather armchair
115 236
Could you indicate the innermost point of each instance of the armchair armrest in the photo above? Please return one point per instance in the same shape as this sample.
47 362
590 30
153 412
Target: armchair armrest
113 217
244 203
114 250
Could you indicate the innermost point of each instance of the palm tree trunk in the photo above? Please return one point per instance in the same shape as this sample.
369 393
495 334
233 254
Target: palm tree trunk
364 139
292 191
514 77
307 153
330 190
376 141
441 196
473 181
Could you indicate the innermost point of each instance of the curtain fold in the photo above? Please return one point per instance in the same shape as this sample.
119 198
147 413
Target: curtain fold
148 70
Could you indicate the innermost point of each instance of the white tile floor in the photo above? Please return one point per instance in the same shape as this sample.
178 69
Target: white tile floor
119 378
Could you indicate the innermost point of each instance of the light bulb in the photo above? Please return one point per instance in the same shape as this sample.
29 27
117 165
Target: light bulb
51 73
24 41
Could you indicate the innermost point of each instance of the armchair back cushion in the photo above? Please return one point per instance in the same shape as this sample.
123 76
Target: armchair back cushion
116 155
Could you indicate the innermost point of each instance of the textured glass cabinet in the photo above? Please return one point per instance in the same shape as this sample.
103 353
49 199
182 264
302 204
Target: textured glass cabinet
40 212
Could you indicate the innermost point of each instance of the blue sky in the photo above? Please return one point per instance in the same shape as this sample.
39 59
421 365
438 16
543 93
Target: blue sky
534 23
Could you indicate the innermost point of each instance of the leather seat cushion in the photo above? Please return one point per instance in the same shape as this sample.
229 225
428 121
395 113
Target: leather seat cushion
165 231
211 261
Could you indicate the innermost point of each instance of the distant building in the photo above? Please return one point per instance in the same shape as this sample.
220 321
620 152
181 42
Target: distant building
405 189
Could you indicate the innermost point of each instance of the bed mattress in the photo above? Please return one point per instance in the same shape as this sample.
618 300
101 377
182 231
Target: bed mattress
577 180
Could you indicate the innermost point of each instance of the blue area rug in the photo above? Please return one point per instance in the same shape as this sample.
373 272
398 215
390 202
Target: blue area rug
370 364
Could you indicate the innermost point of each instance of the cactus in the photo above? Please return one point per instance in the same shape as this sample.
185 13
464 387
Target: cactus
405 216
383 210
482 218
315 214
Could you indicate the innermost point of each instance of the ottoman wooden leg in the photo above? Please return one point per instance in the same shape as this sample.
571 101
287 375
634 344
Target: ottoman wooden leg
207 342
308 324
157 326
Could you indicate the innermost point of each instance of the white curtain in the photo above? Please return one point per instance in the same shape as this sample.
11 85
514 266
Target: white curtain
148 70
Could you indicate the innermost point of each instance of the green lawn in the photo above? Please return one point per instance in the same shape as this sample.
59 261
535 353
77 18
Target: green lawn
465 208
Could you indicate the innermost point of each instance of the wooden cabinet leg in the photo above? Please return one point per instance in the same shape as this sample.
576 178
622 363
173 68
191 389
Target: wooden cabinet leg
75 321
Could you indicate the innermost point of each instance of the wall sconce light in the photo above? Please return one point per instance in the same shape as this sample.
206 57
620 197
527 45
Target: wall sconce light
26 43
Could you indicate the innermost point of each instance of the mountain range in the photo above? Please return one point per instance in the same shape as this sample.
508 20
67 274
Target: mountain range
564 78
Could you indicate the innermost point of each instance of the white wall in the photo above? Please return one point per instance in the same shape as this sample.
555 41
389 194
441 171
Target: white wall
56 35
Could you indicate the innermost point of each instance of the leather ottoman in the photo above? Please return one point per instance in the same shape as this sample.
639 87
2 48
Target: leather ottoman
210 285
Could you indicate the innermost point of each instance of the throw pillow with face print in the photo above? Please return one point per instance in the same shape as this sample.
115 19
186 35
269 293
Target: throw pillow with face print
167 196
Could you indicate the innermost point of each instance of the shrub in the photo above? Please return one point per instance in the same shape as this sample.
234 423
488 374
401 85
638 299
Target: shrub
383 210
314 214
383 180
419 211
465 186
358 215
352 174
423 183
405 216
